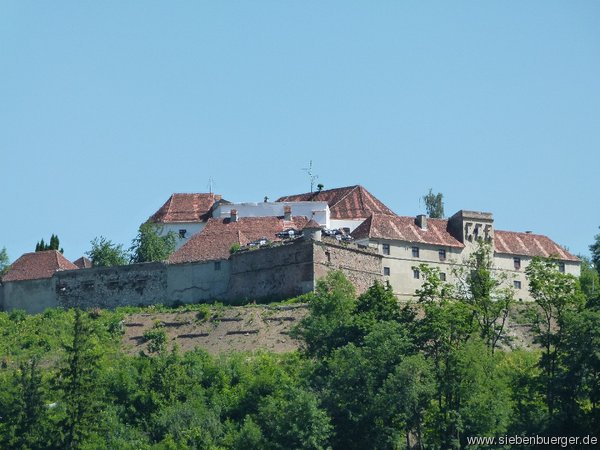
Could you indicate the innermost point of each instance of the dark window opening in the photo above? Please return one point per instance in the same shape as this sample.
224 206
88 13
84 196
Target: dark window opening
442 254
386 249
386 271
217 265
517 262
415 252
517 284
561 267
182 233
442 276
416 274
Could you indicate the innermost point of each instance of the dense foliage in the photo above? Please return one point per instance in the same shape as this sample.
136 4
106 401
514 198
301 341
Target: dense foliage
105 253
150 245
370 374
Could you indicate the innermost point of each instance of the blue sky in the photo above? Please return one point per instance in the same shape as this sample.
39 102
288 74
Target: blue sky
106 108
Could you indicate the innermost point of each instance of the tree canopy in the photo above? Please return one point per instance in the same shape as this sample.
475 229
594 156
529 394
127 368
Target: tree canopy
150 245
105 253
434 204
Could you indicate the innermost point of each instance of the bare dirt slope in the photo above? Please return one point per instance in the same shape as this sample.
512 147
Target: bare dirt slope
259 327
246 328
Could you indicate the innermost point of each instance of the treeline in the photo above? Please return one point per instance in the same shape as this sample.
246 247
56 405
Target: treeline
372 374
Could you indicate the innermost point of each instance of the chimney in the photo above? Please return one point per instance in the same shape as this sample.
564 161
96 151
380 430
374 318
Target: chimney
218 197
287 212
234 215
422 221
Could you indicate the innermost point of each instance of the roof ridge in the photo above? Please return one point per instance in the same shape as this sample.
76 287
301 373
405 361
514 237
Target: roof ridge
351 190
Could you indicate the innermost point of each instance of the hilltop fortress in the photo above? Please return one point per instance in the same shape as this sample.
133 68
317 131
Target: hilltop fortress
236 252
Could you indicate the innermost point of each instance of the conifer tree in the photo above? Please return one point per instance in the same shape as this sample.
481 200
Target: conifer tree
78 382
53 245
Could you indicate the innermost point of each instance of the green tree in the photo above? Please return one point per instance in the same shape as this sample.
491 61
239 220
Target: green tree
4 261
350 381
294 420
434 204
150 245
403 400
589 280
556 295
595 249
78 381
28 415
579 381
53 245
105 254
480 287
330 323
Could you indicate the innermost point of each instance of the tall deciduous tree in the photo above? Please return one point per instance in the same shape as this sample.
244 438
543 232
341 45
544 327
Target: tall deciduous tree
434 204
149 245
482 288
556 294
331 322
589 280
105 253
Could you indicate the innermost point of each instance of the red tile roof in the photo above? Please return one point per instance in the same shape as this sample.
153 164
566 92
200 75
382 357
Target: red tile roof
32 266
312 223
529 244
185 208
506 242
217 237
404 228
83 263
352 202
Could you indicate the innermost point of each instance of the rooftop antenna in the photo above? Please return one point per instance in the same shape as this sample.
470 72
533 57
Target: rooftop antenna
312 177
210 185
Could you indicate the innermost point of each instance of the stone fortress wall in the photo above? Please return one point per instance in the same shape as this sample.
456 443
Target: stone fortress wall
264 274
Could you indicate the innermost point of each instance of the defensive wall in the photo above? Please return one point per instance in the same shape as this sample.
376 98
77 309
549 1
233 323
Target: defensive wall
264 274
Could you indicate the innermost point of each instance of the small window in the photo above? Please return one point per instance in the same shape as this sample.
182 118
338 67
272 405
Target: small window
416 274
561 267
386 271
217 265
517 284
517 262
182 233
442 254
415 252
386 249
442 276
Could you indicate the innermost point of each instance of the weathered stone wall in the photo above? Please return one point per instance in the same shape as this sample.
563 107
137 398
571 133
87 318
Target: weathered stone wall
34 296
272 273
109 287
275 273
361 266
197 282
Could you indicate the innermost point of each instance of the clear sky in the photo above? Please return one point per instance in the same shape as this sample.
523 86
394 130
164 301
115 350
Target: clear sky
106 108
